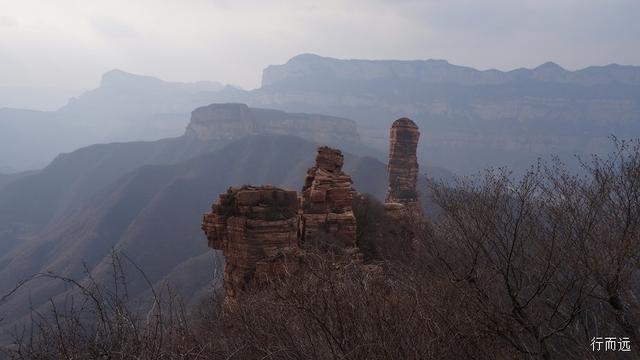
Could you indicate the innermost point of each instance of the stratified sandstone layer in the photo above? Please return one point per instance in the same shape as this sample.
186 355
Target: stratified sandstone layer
403 164
253 226
233 121
327 201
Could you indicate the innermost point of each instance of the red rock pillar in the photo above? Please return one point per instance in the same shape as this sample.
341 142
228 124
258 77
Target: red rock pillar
327 202
403 162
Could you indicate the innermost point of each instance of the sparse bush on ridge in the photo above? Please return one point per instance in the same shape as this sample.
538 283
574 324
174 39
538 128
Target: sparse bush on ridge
528 268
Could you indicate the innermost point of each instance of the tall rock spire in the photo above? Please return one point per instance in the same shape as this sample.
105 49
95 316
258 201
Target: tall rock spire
403 162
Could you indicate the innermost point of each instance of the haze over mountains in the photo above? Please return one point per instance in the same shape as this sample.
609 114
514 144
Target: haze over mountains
145 198
89 202
35 98
471 119
125 107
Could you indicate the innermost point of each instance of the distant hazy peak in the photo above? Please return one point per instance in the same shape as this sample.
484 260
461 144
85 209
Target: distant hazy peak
308 57
117 78
550 65
307 68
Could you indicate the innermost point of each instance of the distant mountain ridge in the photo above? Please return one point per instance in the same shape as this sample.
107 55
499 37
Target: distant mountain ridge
440 72
125 107
122 79
470 119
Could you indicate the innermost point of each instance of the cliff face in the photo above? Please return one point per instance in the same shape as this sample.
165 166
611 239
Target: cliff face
232 121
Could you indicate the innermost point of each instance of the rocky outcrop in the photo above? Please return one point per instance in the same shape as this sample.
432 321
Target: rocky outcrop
327 199
262 230
253 226
403 165
232 121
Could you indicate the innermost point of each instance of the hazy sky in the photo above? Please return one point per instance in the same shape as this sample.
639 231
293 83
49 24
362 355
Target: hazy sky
70 43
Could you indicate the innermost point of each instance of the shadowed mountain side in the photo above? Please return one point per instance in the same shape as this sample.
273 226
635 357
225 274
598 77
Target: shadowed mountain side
28 204
153 215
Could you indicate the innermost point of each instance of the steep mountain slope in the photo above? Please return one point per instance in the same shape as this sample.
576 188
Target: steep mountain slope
26 206
153 215
31 202
470 119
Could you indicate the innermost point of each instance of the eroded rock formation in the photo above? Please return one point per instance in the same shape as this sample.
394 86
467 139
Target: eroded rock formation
261 230
403 166
327 202
252 225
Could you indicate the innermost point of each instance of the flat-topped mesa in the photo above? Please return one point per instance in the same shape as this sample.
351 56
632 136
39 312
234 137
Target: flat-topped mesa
327 201
403 164
252 225
232 121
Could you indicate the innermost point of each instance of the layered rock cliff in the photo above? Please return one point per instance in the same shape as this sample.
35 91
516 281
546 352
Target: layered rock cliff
402 201
327 199
233 120
403 163
252 225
